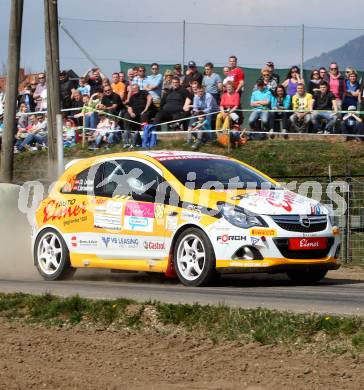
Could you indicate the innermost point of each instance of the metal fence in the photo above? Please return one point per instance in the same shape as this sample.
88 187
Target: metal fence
178 42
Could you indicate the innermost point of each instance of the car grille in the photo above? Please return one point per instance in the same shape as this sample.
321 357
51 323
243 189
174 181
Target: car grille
282 245
292 223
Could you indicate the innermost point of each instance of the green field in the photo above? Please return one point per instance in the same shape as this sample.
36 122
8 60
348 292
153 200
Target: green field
278 158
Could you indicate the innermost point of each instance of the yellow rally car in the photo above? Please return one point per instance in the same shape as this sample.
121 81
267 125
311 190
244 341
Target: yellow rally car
193 215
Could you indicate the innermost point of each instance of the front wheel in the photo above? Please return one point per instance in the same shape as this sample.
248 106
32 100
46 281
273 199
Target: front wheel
307 275
52 256
194 258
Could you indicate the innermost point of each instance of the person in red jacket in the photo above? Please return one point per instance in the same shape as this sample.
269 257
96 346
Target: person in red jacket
237 74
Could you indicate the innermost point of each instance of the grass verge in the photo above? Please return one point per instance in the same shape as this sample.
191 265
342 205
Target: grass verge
278 157
334 333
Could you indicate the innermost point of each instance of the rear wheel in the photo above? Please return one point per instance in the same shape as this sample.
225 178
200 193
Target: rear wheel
307 275
52 256
194 258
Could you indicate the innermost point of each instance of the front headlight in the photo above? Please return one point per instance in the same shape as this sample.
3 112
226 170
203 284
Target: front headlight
239 217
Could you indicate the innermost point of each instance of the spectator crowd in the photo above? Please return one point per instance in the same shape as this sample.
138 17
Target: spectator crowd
116 110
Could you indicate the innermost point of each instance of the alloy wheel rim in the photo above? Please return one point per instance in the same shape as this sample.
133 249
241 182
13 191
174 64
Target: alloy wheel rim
49 253
191 257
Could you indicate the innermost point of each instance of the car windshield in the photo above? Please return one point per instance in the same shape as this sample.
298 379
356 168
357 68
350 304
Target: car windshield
217 173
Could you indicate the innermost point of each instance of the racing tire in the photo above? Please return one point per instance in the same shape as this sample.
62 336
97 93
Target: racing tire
51 256
307 275
194 258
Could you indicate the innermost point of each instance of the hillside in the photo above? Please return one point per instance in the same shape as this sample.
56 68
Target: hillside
350 54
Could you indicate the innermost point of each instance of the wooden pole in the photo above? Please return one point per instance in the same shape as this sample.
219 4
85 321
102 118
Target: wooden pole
53 93
12 80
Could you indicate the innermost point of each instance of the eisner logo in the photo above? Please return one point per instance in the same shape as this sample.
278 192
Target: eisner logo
59 210
225 238
154 245
304 243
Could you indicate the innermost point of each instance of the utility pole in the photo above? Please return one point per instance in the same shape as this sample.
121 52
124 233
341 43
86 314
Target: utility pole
12 80
53 93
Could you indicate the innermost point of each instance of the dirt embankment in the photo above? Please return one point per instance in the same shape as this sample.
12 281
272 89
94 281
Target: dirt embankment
36 357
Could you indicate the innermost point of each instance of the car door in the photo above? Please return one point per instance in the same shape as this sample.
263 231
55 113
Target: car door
134 226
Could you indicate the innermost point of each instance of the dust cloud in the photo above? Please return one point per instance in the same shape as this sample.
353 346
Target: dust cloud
15 238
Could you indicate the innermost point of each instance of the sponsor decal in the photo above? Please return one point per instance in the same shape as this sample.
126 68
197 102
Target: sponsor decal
74 220
114 208
107 222
172 222
263 232
83 185
88 243
63 209
74 241
190 216
225 238
316 209
254 240
139 216
159 211
119 242
248 264
154 245
307 243
279 199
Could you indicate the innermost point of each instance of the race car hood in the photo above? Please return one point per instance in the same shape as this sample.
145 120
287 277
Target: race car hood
279 202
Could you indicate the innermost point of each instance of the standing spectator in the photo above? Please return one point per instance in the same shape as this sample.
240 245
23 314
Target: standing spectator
76 103
227 78
118 86
260 101
212 82
292 80
179 73
336 84
270 66
323 74
269 82
154 84
351 91
67 88
167 81
40 93
94 78
192 74
140 109
280 101
324 100
172 103
301 103
314 85
110 102
348 70
26 97
230 102
89 109
83 86
140 78
23 120
131 74
237 74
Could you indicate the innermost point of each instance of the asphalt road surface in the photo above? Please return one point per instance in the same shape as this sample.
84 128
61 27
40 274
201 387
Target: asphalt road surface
333 295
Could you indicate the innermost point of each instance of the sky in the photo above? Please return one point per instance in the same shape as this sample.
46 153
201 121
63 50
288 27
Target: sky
147 31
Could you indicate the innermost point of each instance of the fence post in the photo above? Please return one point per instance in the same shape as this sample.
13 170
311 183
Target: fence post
83 131
302 48
183 45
